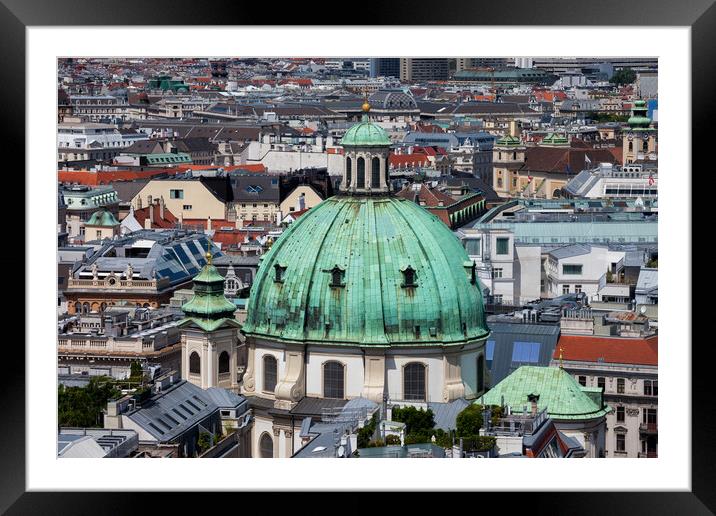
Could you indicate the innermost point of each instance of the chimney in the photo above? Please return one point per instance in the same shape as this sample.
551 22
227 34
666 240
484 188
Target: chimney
208 223
151 214
161 207
533 398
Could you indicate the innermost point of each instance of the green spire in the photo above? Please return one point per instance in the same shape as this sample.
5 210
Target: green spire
209 309
639 120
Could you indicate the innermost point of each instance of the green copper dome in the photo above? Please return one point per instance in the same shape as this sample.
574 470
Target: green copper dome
208 309
558 392
369 271
366 134
102 218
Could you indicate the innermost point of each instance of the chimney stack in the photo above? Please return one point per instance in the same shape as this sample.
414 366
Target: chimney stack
161 207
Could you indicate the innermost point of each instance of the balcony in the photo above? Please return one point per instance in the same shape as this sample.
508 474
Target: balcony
648 455
648 428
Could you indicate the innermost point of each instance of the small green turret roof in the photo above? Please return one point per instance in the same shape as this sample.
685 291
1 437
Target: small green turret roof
555 139
209 309
558 391
365 134
639 120
509 140
102 218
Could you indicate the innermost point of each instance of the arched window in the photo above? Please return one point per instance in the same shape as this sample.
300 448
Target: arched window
224 362
102 307
361 173
270 373
375 173
414 382
266 446
333 380
645 145
557 193
631 146
481 373
349 162
78 307
85 308
194 363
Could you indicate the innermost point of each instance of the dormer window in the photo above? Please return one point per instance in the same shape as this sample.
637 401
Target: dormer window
337 275
470 268
408 277
279 272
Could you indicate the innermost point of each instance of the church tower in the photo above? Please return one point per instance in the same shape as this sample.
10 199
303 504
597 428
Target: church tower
639 140
365 169
209 333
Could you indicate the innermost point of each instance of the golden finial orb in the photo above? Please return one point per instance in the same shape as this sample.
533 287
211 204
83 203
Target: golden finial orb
365 107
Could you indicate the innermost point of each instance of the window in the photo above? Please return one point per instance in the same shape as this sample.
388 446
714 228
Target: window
502 244
224 362
194 363
361 173
565 289
649 416
270 373
577 289
266 446
620 385
650 388
497 299
375 173
480 373
621 442
583 381
348 171
409 277
600 383
176 194
99 234
571 269
489 352
186 207
414 382
337 277
472 246
525 352
497 273
333 380
620 414
279 271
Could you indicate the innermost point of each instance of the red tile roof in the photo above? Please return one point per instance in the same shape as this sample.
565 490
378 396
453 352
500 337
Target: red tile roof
167 222
565 160
642 351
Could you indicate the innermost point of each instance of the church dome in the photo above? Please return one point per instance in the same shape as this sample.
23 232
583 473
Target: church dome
102 218
365 133
367 271
387 100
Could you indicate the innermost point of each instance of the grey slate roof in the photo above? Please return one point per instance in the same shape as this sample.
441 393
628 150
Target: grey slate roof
445 414
226 399
569 251
174 411
648 280
505 334
310 406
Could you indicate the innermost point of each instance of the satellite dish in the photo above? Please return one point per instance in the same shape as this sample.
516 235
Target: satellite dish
341 451
642 309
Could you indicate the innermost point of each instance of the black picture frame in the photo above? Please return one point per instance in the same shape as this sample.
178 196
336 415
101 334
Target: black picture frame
16 15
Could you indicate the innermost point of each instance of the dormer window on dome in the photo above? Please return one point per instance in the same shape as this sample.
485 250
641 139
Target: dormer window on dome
337 276
470 268
408 277
279 272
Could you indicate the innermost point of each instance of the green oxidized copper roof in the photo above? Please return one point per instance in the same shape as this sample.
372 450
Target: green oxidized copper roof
557 390
208 308
509 140
365 133
555 139
372 241
102 218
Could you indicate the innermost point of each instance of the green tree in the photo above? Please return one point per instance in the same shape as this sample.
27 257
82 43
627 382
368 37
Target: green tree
83 406
469 421
418 421
392 440
366 433
204 442
623 76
